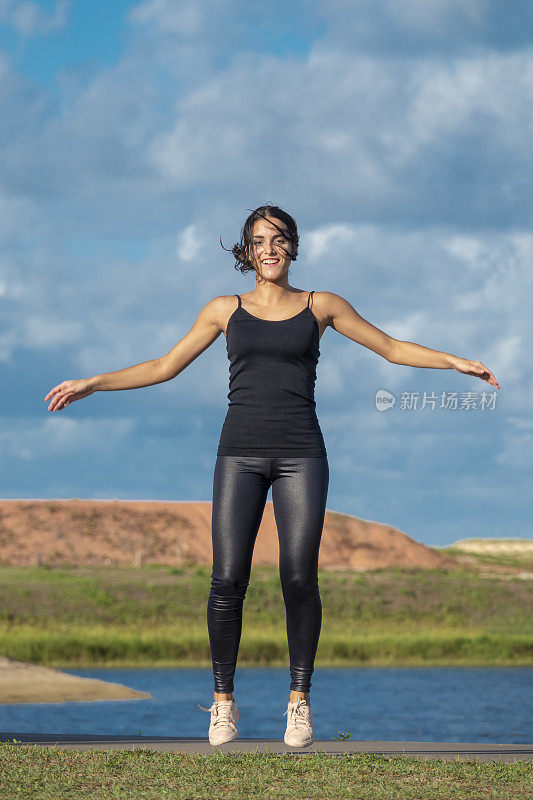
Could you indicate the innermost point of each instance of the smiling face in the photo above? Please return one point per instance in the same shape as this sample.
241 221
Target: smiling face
271 248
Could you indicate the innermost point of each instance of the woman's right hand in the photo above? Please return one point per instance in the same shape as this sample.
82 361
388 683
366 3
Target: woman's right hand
66 392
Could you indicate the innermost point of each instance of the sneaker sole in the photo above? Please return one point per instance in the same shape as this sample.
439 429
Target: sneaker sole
304 744
231 738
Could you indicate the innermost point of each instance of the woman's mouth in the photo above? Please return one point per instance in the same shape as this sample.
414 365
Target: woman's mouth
271 261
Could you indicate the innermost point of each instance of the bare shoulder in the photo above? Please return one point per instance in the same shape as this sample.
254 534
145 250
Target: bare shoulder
343 318
218 310
328 305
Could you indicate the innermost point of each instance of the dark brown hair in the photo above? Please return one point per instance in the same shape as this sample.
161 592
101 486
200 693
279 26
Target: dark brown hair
245 246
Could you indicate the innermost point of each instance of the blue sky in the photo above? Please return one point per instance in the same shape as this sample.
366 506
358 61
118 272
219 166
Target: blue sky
134 135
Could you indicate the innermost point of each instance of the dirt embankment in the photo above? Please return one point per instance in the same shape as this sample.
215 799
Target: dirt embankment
497 547
96 532
32 683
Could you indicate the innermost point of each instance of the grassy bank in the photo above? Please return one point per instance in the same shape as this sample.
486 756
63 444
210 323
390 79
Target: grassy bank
38 773
157 616
170 646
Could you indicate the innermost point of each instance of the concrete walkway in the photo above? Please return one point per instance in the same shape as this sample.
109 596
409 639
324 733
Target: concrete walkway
177 744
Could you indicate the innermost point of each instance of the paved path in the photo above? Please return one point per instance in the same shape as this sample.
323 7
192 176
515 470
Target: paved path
177 744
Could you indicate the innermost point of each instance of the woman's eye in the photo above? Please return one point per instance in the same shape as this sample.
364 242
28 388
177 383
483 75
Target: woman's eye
278 241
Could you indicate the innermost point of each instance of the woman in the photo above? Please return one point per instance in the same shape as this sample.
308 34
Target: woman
270 438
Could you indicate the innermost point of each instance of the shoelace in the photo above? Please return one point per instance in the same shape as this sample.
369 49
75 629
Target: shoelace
299 715
222 711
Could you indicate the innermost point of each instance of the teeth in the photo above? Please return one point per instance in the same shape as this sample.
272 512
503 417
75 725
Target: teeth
272 261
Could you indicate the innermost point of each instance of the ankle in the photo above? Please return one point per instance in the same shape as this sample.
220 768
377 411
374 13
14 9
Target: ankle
223 696
295 696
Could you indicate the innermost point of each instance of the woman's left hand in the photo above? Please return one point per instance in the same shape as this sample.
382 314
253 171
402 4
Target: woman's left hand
475 368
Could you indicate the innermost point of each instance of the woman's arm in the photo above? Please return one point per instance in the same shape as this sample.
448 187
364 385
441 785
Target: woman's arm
345 319
206 329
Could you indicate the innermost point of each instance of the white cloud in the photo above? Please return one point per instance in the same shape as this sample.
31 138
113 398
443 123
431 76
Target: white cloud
189 243
412 25
30 19
506 357
372 137
319 242
467 248
60 435
329 136
183 18
45 332
423 16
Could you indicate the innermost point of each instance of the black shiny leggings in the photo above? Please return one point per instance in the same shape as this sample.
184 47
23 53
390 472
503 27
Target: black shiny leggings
299 493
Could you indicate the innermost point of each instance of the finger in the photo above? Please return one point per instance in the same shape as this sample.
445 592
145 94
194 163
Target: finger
66 400
51 392
490 377
492 380
59 389
57 402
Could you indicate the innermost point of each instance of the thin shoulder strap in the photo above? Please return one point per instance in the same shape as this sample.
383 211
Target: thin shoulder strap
309 298
239 299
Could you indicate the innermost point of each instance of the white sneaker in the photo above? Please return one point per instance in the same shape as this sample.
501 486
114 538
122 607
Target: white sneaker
300 730
224 716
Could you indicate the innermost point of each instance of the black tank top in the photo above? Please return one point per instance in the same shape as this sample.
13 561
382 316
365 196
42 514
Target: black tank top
271 395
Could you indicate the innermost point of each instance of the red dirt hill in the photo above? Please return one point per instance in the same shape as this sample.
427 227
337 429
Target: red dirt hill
94 532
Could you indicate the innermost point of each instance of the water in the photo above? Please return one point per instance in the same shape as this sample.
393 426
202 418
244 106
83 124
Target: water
425 704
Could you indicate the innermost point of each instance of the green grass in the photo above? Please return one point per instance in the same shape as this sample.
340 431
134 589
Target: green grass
171 646
157 616
52 773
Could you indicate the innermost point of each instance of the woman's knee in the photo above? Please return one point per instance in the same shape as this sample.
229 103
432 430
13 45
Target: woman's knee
229 585
300 587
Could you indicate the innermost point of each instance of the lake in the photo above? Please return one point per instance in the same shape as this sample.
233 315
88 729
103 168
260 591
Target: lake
426 704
